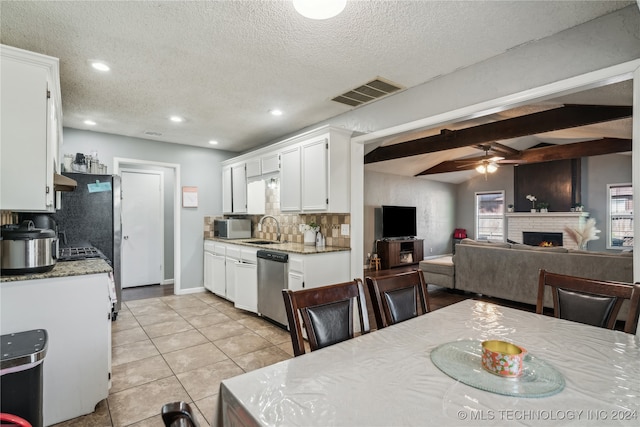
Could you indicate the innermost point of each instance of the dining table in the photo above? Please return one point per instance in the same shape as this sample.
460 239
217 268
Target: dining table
428 371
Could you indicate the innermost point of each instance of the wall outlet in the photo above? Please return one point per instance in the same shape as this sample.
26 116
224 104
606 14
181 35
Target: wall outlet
431 250
344 229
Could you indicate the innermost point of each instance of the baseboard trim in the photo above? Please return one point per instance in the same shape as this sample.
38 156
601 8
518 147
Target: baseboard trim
188 291
168 282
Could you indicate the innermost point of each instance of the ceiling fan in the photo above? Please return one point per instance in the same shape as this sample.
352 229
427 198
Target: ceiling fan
487 164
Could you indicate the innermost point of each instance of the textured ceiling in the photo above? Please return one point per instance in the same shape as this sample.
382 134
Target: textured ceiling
224 64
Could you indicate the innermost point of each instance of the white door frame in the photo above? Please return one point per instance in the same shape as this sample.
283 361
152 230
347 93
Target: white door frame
177 268
161 175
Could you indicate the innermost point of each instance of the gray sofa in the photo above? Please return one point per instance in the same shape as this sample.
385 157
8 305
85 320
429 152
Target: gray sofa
510 272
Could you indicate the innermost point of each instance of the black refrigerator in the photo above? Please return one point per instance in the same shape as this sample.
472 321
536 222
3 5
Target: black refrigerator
90 216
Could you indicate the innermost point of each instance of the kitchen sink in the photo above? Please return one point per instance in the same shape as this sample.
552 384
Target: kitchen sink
262 242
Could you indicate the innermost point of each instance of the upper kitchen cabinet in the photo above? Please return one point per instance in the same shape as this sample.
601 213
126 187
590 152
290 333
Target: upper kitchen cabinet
315 173
290 178
234 189
270 163
31 130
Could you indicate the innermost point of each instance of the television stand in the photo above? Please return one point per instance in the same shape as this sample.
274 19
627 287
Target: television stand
402 252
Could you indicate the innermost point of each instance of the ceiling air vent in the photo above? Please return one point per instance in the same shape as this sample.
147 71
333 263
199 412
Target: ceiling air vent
368 92
152 133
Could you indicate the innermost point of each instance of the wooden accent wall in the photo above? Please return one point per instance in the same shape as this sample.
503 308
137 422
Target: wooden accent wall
557 183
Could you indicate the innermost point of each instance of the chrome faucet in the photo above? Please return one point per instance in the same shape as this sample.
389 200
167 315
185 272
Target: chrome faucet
277 225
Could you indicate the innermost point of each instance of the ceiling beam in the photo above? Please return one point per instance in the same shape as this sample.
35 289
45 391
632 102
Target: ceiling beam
565 117
576 150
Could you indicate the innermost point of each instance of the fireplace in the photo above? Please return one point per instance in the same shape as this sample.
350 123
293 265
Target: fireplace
541 238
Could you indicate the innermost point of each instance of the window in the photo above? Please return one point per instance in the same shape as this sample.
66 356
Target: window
620 216
490 215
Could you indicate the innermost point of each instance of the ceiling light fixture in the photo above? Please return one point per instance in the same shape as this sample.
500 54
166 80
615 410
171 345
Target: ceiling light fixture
176 119
213 142
486 167
319 9
89 122
276 112
100 66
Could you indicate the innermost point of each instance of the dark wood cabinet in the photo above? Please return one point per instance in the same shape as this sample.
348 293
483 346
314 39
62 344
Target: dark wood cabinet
394 253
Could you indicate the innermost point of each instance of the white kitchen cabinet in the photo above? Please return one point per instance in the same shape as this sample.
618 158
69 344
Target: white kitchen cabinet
256 200
239 185
270 163
31 129
311 271
232 257
76 313
209 259
227 191
246 281
219 271
315 172
315 175
234 189
290 180
254 168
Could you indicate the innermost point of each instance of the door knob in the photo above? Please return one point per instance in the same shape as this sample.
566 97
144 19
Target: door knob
126 237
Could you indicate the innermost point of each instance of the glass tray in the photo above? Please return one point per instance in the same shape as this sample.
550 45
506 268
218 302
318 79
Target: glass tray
461 360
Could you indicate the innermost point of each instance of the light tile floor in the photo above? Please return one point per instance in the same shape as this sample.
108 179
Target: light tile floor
175 348
172 348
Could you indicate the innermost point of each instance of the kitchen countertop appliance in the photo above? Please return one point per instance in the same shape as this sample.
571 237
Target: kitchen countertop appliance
272 279
89 223
232 228
27 249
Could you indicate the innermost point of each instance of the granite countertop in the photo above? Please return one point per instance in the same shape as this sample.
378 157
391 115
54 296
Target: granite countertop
296 248
65 269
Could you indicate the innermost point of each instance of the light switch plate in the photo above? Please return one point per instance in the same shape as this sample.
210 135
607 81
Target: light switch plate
344 229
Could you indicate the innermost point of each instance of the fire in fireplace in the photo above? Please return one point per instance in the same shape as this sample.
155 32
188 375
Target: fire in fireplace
536 238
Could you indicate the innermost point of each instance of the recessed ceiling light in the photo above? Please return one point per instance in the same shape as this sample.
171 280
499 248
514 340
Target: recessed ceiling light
176 119
276 112
100 66
89 122
213 142
319 9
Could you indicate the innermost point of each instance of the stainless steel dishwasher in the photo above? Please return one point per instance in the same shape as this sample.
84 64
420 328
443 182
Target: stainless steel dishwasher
272 279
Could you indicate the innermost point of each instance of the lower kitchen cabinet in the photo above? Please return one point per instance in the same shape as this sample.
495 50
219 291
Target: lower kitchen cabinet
76 313
246 277
209 259
230 271
314 270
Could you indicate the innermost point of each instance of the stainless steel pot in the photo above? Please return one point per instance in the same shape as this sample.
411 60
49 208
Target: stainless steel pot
27 250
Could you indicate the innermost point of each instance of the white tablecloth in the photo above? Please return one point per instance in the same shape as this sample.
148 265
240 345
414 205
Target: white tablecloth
386 378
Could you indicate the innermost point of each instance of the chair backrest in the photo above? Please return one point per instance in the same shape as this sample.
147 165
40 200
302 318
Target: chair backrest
594 302
398 297
326 313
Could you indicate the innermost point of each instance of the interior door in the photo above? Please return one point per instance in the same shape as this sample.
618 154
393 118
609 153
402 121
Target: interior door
142 225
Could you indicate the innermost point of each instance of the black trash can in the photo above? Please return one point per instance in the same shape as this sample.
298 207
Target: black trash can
21 361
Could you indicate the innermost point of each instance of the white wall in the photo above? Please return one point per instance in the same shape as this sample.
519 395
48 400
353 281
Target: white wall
200 167
435 204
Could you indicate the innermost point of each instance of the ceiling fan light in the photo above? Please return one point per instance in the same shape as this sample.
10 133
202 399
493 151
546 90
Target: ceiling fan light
319 9
492 167
481 168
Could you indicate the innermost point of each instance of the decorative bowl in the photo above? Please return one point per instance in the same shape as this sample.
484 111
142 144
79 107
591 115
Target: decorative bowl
502 358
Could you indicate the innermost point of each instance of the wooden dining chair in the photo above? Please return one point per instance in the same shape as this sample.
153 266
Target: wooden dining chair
594 302
398 297
326 313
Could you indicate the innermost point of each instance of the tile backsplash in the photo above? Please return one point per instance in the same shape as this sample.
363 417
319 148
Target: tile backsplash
289 223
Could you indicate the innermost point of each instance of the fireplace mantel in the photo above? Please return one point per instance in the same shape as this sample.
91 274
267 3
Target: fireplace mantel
517 222
548 214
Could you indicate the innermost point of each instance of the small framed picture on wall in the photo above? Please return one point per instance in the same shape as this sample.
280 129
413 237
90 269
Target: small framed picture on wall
189 197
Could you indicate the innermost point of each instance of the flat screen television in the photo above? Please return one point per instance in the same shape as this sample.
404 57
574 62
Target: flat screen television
398 221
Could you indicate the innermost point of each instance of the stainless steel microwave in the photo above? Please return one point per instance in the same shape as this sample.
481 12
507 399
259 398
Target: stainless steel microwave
232 228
